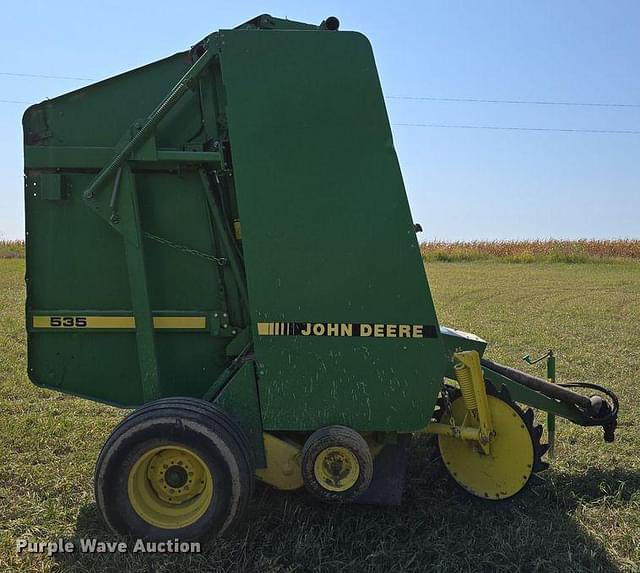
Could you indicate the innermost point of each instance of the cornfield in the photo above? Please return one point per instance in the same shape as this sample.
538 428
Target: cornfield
10 249
579 251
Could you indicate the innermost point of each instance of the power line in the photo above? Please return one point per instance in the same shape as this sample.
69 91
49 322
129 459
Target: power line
431 125
517 101
460 126
517 128
46 77
415 98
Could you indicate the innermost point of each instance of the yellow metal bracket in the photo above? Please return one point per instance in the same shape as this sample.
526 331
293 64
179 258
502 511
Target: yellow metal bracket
461 432
477 425
283 469
474 392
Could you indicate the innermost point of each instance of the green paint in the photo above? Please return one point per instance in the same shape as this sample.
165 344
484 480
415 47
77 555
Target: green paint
525 395
240 399
327 232
145 336
142 132
551 418
458 341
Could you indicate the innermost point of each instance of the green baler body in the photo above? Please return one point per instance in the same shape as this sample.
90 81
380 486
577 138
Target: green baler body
284 131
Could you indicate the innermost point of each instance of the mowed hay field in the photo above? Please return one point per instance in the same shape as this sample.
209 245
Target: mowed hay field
584 515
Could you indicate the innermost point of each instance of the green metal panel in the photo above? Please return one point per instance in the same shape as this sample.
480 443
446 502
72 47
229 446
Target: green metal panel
239 398
459 341
77 261
327 233
99 114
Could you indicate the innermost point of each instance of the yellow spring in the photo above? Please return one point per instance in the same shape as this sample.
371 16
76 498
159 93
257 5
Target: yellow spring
463 374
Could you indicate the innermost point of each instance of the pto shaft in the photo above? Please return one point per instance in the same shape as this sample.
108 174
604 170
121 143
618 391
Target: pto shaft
590 405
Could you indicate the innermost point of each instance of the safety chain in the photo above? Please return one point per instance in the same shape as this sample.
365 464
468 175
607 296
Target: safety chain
184 249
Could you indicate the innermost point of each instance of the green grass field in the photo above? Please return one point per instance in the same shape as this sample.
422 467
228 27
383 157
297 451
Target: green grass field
584 515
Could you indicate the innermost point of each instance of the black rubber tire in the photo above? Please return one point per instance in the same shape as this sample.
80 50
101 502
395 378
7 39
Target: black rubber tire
331 436
202 427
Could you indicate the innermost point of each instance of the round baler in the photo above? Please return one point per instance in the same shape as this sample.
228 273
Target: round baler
222 240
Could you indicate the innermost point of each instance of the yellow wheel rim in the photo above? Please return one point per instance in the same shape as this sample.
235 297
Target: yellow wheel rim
170 487
506 470
336 468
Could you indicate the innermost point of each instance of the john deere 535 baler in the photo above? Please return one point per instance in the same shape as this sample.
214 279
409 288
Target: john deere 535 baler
222 240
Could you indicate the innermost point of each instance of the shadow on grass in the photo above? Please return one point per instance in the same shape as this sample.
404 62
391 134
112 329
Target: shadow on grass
438 527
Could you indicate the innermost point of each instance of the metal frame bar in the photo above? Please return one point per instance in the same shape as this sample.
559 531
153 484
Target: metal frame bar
232 257
145 335
150 124
461 432
525 395
58 157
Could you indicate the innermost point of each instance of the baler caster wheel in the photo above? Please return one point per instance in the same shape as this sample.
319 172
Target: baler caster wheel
336 464
175 468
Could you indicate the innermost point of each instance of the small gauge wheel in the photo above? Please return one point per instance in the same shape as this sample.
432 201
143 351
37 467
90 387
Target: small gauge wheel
336 464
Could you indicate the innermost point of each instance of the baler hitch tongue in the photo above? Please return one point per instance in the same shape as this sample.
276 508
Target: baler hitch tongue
592 411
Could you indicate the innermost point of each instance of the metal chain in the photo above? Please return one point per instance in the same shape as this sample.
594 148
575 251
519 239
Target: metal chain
447 405
184 249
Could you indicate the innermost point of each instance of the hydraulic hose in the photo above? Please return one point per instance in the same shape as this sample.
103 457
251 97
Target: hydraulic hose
608 414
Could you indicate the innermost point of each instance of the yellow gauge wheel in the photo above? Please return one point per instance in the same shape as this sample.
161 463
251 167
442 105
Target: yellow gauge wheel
507 468
170 487
336 464
336 468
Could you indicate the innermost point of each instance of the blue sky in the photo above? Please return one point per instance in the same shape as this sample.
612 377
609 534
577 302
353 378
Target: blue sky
462 183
